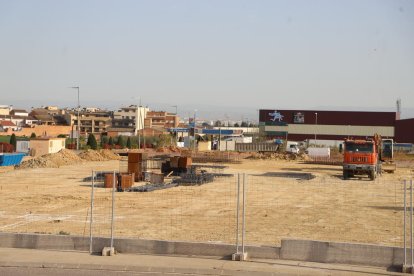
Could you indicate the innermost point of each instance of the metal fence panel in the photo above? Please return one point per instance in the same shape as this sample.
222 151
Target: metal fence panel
323 209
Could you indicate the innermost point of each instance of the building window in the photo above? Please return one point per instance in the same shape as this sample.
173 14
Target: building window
298 118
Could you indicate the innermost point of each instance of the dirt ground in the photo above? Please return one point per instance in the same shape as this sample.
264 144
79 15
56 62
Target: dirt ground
284 199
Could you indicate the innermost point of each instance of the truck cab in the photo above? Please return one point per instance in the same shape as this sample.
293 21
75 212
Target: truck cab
361 157
292 147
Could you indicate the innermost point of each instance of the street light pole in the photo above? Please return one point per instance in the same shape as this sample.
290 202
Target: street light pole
194 146
316 123
78 127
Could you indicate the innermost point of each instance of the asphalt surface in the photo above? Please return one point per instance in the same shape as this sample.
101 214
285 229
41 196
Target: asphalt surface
43 262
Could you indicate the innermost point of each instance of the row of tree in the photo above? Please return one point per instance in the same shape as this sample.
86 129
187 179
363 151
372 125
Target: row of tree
219 123
128 142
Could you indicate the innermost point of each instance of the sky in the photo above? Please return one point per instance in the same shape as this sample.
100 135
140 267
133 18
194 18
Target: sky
220 58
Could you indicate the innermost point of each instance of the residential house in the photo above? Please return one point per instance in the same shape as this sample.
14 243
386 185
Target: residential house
19 112
6 125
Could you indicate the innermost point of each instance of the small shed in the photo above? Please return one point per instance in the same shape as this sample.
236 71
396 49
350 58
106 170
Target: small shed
45 145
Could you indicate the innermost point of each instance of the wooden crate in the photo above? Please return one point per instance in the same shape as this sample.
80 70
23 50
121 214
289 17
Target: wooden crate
109 180
174 161
126 180
185 162
135 157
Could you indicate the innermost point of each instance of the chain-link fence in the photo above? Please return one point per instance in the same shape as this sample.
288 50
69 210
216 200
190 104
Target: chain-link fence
49 201
190 211
323 209
277 205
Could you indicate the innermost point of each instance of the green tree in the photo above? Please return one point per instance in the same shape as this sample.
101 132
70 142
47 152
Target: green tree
13 140
33 135
218 123
236 125
104 140
244 124
121 141
92 142
111 141
128 143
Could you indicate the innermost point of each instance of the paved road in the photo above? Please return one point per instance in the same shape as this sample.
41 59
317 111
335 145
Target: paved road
24 271
42 262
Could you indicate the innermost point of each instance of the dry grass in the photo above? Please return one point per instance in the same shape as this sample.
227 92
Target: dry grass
52 200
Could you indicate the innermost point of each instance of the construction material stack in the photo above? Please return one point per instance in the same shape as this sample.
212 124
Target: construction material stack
135 164
177 165
125 181
109 180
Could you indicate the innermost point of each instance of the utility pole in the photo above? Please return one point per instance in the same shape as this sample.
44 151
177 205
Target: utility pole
195 111
78 128
316 123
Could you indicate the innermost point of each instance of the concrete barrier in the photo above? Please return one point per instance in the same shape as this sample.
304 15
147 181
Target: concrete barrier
291 249
343 253
135 246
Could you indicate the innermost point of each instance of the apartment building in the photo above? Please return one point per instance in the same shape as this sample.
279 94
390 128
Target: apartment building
126 117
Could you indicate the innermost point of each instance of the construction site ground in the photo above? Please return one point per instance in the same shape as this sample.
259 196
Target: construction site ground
279 204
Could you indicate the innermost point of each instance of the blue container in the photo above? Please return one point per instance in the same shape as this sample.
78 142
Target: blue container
11 159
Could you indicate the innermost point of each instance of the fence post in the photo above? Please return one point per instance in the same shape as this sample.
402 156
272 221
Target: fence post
240 256
113 210
237 213
91 218
405 225
411 222
244 213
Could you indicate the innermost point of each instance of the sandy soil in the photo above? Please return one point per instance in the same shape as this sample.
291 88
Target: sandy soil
281 202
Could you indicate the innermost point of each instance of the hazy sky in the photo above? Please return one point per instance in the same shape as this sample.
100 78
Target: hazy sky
214 56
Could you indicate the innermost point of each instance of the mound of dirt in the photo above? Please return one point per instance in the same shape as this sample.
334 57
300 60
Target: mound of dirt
53 160
68 157
278 156
91 155
109 155
170 149
98 155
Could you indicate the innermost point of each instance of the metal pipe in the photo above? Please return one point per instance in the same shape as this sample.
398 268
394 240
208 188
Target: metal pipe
113 210
244 210
405 223
237 213
91 219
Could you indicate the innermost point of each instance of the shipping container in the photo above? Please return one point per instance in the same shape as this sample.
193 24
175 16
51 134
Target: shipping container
11 159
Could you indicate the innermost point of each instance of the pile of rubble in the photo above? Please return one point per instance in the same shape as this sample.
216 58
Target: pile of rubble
101 155
109 155
67 157
170 149
53 160
279 156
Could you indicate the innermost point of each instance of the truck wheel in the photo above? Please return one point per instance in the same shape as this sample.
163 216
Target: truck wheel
372 175
346 175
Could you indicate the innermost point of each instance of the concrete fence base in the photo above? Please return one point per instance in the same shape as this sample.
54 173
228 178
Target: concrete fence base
291 249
